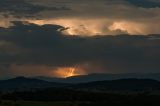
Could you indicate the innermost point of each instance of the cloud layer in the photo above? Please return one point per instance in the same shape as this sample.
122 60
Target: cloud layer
33 39
41 50
86 17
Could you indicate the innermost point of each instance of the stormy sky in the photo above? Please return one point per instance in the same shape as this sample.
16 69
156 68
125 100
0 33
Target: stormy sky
53 37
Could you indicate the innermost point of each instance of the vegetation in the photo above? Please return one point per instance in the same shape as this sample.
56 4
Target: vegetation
70 97
123 92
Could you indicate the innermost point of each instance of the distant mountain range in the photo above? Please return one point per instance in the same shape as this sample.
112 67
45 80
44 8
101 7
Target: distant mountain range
121 85
88 82
22 83
101 77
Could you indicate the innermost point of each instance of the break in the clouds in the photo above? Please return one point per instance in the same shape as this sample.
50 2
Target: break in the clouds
32 50
87 17
33 39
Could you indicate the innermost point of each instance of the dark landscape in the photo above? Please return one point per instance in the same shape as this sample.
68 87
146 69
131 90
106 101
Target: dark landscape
23 91
79 52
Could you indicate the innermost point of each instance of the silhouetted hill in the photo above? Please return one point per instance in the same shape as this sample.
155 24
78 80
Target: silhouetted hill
22 83
131 84
52 79
121 85
101 77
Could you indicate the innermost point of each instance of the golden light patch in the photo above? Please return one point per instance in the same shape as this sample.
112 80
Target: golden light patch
82 27
92 27
129 27
65 72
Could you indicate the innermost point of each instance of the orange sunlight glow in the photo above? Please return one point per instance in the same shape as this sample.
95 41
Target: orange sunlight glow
65 72
85 27
129 27
77 26
71 72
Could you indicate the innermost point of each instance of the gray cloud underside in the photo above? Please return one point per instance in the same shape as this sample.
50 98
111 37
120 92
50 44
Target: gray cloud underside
44 45
23 8
96 16
29 45
32 8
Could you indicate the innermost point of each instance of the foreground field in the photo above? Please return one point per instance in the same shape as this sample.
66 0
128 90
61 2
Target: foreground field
73 97
31 103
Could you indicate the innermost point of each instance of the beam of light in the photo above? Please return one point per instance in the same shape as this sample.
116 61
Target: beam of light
71 72
64 72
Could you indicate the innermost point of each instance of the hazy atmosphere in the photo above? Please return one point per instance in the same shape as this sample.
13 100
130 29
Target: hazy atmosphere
62 38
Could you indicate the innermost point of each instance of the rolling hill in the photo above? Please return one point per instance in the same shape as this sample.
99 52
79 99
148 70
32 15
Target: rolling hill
101 77
22 83
121 85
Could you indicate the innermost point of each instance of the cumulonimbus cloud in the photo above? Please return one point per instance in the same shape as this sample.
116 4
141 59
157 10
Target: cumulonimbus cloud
30 45
33 39
96 17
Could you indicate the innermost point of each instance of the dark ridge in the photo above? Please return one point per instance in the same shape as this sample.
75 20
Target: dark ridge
121 85
22 83
144 3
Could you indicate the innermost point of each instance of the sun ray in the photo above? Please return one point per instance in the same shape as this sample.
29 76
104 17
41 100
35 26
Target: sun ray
71 72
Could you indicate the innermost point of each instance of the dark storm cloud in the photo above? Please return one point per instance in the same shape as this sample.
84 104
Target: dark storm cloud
29 44
22 8
102 17
145 3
